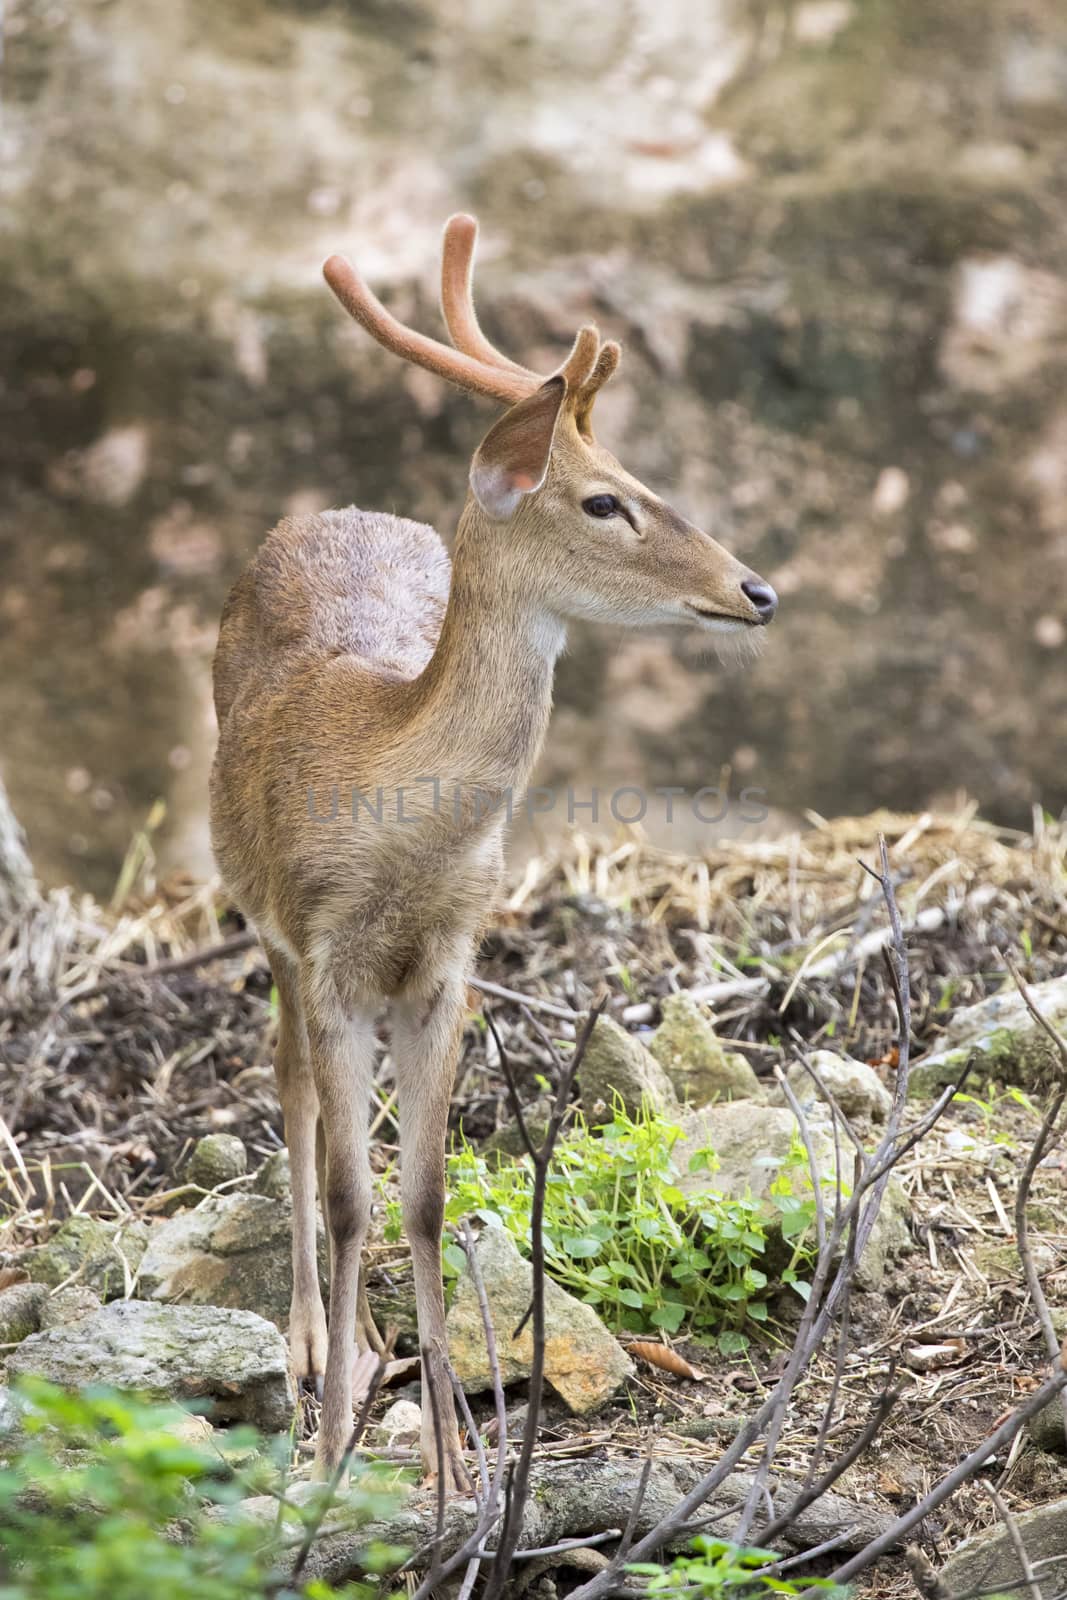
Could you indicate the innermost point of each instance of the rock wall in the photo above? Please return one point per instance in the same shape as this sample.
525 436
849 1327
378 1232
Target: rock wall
831 235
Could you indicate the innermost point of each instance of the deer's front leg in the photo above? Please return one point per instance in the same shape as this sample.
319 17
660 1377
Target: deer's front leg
342 1060
426 1038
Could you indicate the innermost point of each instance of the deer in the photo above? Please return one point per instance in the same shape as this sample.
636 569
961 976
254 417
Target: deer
355 657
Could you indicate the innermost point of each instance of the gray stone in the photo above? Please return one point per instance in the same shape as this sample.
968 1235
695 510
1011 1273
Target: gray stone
695 1059
616 1065
217 1158
20 1311
583 1363
1048 1430
12 1410
855 1086
998 1259
94 1253
1000 1039
273 1178
751 1143
77 1300
508 1141
232 1250
234 1360
401 1425
982 1563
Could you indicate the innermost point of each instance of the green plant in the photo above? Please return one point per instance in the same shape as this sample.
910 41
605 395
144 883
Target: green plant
718 1568
103 1497
621 1233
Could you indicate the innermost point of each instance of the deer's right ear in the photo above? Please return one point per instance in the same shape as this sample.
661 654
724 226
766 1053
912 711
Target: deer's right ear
512 459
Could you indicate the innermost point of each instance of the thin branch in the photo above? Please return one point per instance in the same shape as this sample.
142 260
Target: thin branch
1047 1135
519 1483
1015 1538
845 1243
890 1537
472 1551
812 1492
340 1472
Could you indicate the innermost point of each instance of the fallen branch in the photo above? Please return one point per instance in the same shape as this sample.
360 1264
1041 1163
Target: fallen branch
568 1500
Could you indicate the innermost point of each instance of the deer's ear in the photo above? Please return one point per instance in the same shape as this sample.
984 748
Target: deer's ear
512 459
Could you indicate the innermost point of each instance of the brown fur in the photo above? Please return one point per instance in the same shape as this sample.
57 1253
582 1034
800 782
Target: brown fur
351 658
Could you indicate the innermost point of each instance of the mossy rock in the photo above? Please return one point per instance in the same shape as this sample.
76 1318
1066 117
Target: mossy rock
700 1068
617 1067
90 1252
1000 1039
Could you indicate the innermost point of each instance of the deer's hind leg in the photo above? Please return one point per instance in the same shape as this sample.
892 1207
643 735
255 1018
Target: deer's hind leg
367 1334
426 1042
300 1110
342 1048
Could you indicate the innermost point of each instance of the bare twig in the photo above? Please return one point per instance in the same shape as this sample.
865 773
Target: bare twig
518 1486
472 1551
341 1470
1047 1135
1015 1538
845 1242
892 1536
812 1492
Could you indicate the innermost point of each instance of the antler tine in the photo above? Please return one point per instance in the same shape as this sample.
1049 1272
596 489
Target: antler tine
606 363
466 371
457 296
579 364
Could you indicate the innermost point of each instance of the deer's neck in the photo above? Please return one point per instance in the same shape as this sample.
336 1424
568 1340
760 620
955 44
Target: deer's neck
484 700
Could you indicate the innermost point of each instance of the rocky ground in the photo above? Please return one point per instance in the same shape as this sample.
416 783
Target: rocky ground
145 1241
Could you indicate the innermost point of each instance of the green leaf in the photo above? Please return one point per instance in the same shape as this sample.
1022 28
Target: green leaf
670 1315
581 1247
455 1257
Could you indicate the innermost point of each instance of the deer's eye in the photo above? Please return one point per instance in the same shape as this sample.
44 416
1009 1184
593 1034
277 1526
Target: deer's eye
601 505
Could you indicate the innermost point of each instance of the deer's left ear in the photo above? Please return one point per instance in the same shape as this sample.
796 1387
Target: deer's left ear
512 459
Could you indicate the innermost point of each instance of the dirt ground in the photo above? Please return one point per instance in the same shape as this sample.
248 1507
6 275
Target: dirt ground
119 1047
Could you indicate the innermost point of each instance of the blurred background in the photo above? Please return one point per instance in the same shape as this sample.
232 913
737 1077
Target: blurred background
830 234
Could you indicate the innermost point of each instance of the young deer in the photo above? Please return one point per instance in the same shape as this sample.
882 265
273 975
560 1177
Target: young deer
354 659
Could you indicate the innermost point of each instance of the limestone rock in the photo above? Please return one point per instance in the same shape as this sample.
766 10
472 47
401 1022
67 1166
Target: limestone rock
694 1058
583 1363
235 1361
507 1140
999 1037
987 1562
77 1300
751 1143
617 1064
97 1254
273 1178
856 1087
217 1158
20 1311
231 1250
1048 1430
998 1259
401 1426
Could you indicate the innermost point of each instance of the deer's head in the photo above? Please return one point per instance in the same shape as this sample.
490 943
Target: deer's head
571 525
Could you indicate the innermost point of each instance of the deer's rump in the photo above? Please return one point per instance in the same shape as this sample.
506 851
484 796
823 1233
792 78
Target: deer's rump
347 582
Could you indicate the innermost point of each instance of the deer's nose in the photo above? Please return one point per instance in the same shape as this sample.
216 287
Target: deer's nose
762 597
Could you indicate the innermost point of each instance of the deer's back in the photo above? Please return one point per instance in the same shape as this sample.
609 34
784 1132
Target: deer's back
353 583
